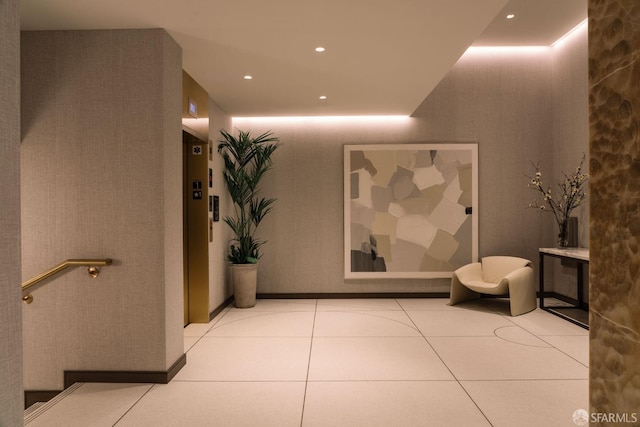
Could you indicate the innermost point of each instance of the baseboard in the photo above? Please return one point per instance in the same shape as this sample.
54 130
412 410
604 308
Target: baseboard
157 377
219 308
71 377
335 295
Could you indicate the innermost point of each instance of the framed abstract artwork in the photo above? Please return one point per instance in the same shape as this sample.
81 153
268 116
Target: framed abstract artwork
410 210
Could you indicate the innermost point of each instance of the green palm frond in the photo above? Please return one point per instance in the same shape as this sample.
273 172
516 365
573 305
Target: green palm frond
246 161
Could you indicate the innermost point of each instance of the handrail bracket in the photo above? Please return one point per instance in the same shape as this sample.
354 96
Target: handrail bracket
93 271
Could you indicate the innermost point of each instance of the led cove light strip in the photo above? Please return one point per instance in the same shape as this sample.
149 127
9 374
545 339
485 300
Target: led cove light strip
508 49
320 119
571 32
397 118
527 49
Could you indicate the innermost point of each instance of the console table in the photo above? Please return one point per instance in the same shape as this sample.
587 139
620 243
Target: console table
579 256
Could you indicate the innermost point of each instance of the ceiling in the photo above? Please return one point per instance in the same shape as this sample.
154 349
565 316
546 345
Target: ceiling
383 57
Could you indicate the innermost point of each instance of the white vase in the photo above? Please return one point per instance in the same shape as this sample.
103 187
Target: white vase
245 280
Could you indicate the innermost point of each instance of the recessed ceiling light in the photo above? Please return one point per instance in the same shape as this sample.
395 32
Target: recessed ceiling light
511 16
322 97
320 49
248 77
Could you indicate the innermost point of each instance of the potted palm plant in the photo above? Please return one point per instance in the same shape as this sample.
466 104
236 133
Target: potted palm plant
246 160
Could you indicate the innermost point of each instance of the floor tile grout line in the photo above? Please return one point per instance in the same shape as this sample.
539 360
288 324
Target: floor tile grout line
134 405
371 313
429 344
448 368
219 317
559 349
253 315
495 334
306 382
540 337
469 386
314 337
475 403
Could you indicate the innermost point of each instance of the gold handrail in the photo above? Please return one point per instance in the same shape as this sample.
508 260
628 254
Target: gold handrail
93 272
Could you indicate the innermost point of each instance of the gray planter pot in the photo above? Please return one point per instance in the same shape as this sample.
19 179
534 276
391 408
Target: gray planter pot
245 280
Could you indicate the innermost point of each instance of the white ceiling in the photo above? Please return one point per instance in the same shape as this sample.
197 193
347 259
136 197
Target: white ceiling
382 56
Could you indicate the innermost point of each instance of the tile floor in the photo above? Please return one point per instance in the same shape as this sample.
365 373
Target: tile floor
355 362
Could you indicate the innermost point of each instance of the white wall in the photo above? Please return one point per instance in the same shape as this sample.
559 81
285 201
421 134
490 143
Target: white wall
11 395
101 177
501 100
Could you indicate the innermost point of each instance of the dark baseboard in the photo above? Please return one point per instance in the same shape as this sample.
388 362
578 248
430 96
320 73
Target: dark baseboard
157 377
219 308
71 377
313 295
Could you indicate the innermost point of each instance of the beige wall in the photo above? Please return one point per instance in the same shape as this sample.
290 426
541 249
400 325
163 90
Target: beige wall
570 126
101 177
11 396
172 198
501 100
614 105
571 114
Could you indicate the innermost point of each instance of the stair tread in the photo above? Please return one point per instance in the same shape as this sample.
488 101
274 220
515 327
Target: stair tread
38 408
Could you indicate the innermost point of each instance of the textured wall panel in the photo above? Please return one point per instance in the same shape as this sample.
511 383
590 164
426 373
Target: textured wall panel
172 198
614 101
100 179
11 396
570 126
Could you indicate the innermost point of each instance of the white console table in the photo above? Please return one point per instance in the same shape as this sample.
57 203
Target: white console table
580 256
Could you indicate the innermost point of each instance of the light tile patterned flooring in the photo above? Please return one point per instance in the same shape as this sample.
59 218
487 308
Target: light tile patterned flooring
356 362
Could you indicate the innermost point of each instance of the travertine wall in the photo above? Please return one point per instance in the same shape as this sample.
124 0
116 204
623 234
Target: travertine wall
614 101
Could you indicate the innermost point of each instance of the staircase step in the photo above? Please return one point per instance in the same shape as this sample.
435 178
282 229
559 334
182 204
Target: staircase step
39 408
31 409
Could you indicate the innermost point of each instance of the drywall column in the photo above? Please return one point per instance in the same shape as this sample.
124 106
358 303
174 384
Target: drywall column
220 288
614 102
101 175
11 396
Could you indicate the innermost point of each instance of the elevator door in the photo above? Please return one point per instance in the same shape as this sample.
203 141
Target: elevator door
196 229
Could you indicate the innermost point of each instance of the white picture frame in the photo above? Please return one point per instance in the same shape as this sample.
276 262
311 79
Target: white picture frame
410 210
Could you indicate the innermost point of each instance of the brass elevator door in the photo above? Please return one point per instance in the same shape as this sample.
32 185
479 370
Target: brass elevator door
196 229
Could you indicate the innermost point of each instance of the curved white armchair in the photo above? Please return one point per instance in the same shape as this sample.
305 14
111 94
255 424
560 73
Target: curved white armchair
496 275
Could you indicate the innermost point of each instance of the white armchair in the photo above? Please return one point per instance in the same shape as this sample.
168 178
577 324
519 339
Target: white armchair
496 275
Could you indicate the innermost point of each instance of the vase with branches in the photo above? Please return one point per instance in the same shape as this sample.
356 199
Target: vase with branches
568 195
